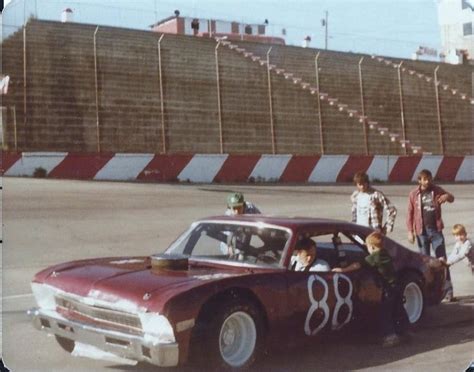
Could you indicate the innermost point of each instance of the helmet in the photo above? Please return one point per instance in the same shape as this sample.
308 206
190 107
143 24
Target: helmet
235 199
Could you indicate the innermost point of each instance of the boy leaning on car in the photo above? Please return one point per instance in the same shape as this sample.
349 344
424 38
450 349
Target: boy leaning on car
393 319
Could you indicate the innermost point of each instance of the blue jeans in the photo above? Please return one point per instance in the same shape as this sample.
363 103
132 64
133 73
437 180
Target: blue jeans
393 317
432 238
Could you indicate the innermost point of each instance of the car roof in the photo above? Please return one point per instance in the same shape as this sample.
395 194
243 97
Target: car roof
288 222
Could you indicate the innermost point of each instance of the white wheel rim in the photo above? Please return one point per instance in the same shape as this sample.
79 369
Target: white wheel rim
413 301
237 338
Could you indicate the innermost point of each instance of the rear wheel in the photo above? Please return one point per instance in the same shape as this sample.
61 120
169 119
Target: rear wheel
232 339
413 300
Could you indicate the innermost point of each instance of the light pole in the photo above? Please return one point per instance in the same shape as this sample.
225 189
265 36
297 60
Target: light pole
324 23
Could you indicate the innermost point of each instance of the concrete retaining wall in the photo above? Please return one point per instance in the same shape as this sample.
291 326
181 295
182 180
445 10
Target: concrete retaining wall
224 168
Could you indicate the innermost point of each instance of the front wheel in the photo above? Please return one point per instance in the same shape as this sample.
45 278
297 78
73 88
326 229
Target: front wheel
233 338
413 300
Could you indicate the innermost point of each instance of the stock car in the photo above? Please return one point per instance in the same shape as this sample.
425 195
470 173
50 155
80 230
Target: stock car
222 293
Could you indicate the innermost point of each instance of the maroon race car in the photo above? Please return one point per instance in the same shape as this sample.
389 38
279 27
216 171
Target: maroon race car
221 292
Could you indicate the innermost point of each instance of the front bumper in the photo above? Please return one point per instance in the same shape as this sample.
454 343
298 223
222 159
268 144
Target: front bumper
123 345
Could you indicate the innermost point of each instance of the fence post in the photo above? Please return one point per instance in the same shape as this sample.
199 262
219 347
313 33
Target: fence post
221 141
402 111
272 128
24 79
321 137
163 131
362 105
3 124
15 138
96 91
438 110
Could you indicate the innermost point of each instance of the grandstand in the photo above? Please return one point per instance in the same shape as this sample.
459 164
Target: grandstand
83 88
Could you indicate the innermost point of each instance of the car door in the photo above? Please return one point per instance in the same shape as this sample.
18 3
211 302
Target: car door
319 301
350 246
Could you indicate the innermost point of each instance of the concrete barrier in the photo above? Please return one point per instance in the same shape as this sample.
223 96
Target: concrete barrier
226 168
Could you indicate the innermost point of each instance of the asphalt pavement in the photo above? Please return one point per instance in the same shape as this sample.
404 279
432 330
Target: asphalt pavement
51 221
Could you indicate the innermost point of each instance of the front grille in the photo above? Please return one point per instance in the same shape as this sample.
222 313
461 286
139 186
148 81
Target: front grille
95 314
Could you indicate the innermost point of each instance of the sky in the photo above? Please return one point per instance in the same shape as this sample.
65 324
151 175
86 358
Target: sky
383 27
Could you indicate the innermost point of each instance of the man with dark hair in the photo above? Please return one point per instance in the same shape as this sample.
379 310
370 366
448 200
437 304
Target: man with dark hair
368 205
424 219
306 258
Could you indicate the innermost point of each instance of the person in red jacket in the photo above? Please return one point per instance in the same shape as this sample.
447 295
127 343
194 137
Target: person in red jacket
424 219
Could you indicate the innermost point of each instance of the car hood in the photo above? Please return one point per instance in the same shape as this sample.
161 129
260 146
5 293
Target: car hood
129 279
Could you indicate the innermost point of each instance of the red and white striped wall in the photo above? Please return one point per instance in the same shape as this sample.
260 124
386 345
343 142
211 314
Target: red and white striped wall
225 168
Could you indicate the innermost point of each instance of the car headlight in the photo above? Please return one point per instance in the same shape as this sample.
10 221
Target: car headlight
44 295
157 328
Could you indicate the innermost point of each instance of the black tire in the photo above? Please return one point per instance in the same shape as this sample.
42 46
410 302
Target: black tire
65 343
411 287
232 339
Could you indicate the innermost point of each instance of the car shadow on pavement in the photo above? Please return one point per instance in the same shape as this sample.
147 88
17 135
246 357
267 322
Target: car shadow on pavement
356 348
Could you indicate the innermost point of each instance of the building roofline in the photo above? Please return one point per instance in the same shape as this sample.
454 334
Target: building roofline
164 20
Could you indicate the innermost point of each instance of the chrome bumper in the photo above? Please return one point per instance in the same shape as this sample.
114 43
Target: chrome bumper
123 345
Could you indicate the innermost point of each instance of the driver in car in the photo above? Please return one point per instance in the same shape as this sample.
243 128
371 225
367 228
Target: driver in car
306 257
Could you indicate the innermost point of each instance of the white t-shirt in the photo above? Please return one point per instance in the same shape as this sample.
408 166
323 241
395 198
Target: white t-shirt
363 209
318 265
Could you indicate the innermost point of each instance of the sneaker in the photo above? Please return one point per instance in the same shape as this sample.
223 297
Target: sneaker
447 291
391 340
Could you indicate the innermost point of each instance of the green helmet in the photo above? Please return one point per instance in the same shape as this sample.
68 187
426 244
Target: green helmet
235 199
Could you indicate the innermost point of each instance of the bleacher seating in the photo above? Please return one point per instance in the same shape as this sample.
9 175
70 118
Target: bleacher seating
61 103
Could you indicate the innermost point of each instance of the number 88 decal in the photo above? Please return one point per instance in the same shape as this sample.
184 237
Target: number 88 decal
322 304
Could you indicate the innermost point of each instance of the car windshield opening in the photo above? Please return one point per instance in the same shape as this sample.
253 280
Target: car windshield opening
257 244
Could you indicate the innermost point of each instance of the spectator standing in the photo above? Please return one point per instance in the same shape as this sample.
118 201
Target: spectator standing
236 205
368 205
424 219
